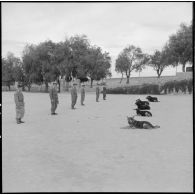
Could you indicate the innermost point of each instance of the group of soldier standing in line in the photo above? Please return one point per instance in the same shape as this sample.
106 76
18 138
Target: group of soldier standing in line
53 93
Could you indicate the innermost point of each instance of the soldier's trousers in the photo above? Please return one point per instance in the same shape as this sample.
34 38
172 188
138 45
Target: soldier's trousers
20 112
104 96
97 97
82 99
53 106
74 100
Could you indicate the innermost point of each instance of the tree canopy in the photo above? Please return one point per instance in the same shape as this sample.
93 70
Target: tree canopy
131 58
180 46
159 61
45 62
11 69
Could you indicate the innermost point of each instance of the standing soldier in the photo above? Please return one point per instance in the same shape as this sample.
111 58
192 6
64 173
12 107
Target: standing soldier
19 101
104 92
97 92
82 94
73 92
53 93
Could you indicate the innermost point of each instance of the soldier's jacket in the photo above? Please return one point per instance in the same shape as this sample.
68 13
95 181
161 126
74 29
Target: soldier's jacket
19 99
53 93
73 92
97 90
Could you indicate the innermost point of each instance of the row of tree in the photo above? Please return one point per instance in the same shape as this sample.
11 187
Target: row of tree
178 50
72 59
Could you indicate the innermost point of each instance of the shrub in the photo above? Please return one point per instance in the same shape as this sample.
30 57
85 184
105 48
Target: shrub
136 89
117 90
189 86
182 85
170 86
177 87
164 87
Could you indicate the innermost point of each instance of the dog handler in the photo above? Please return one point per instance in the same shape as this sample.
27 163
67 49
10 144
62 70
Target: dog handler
53 93
97 92
19 101
104 92
82 94
73 92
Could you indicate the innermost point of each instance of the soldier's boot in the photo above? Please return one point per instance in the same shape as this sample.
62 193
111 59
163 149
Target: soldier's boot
17 121
21 120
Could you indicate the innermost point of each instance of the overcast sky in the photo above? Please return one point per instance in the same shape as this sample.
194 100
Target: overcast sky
112 26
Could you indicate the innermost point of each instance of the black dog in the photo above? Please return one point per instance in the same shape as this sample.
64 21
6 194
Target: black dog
152 99
139 102
143 113
140 124
143 107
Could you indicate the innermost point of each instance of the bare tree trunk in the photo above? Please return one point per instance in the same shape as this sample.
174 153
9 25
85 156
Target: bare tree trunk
183 67
158 73
9 86
91 83
128 75
46 86
23 87
128 79
59 85
29 86
66 86
121 78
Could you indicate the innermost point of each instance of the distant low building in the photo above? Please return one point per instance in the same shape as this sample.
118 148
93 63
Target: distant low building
188 69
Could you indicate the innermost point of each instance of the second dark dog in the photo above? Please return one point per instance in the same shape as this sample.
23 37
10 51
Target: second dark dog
143 107
152 99
143 113
140 102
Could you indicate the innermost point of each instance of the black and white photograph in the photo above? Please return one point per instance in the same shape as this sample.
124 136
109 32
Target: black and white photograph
97 97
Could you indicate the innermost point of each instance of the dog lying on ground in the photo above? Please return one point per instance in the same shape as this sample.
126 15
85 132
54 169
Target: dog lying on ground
143 113
140 124
143 107
152 99
139 102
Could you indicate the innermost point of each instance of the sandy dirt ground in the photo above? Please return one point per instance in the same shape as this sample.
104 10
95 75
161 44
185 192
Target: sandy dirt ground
91 149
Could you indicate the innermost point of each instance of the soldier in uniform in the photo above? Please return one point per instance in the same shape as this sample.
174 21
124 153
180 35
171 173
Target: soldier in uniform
104 92
19 101
73 92
82 94
53 93
97 92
